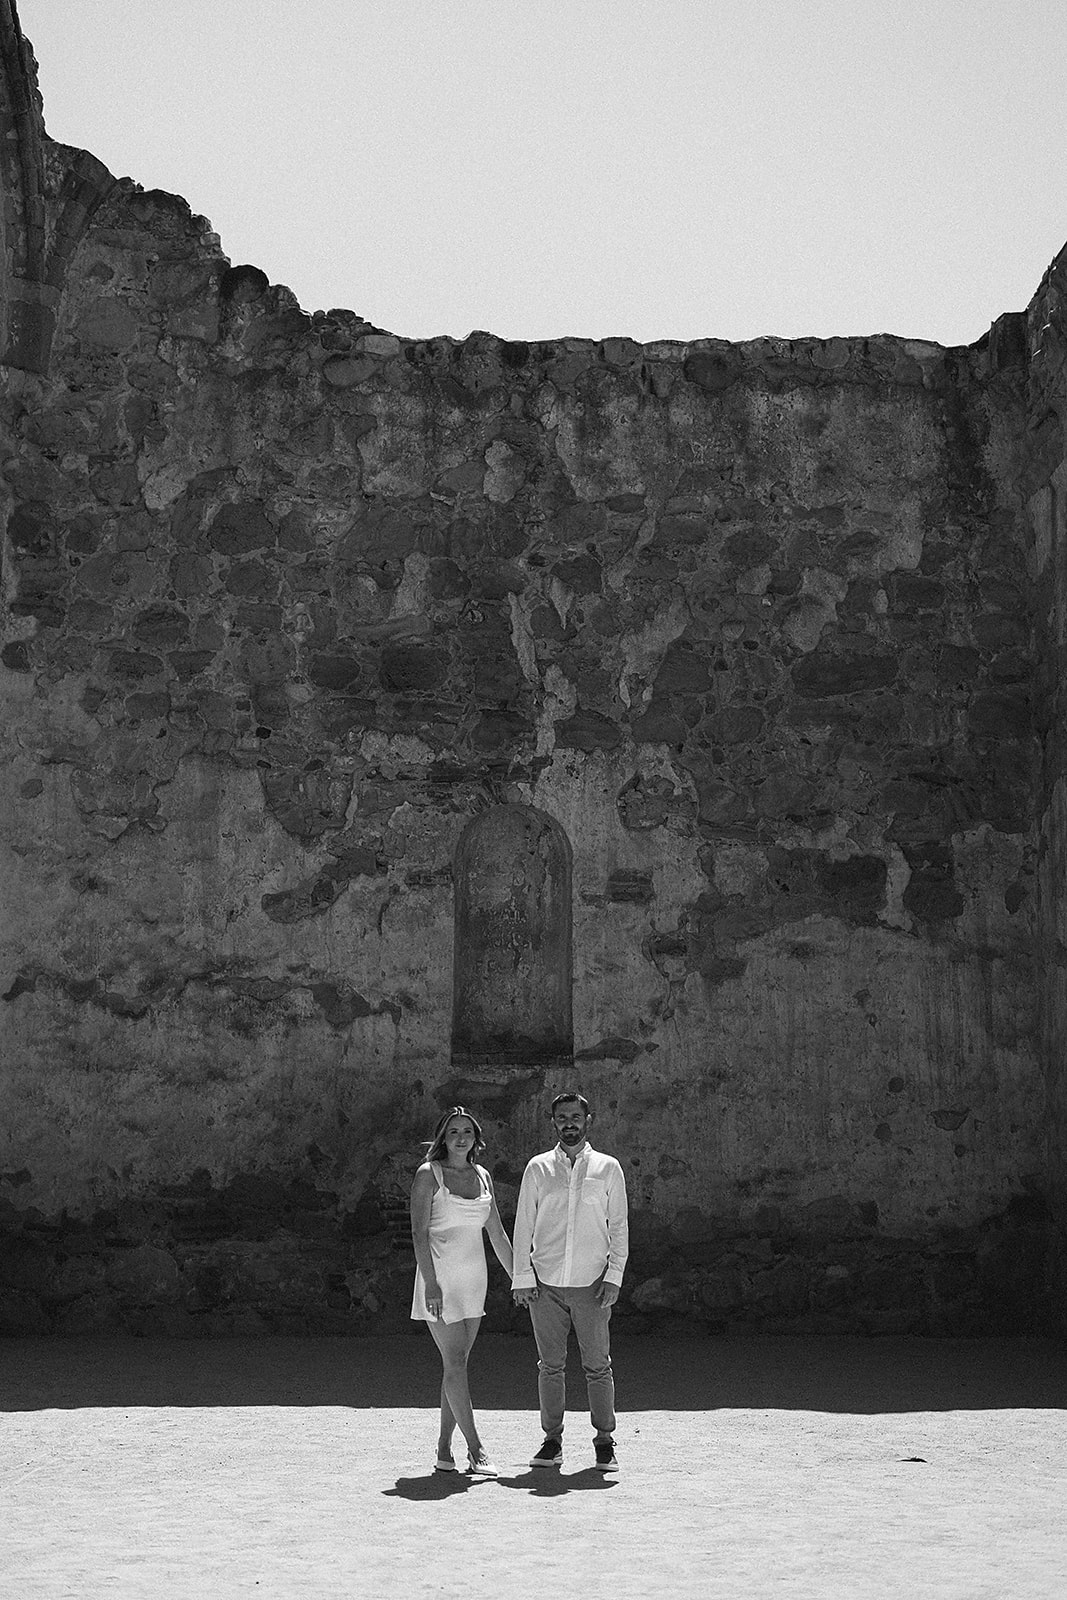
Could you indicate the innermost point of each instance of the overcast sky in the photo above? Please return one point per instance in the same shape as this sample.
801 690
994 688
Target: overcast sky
658 168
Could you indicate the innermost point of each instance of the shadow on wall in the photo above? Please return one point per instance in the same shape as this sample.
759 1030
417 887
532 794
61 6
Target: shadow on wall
861 1376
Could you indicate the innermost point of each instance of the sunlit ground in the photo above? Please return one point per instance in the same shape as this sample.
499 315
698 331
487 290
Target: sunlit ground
806 1468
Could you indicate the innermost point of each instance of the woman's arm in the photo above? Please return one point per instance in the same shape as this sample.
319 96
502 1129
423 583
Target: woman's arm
497 1233
421 1199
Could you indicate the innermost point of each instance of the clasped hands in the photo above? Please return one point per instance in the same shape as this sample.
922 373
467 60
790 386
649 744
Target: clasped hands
606 1295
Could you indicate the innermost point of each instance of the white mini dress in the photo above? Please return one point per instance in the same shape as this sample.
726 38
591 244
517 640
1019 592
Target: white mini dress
458 1251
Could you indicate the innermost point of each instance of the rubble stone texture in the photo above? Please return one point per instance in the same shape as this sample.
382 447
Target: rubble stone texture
390 723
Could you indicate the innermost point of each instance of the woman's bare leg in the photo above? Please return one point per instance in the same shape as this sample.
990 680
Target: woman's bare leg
454 1340
448 1425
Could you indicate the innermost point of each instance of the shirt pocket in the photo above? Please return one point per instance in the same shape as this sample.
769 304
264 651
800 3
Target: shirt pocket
594 1192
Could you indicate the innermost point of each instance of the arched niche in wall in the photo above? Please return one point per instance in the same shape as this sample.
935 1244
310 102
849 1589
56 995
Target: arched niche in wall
512 951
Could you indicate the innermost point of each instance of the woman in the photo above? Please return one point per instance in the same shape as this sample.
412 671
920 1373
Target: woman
452 1200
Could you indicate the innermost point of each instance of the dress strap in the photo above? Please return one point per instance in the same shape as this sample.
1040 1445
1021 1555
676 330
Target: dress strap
435 1168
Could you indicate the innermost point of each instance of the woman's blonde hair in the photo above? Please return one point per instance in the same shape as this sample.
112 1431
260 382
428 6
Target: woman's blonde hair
437 1148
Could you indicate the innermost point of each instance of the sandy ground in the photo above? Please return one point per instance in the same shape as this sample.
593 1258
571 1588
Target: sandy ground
798 1469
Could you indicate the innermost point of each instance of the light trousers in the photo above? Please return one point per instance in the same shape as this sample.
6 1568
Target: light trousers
553 1314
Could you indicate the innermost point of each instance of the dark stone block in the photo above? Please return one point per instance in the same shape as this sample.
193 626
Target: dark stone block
134 664
735 724
1000 714
1000 632
115 482
822 674
31 528
649 802
748 547
380 534
909 591
260 619
587 731
339 1006
238 528
411 668
243 284
335 671
854 887
677 533
146 707
88 616
713 371
356 861
718 969
308 804
546 626
251 580
30 328
721 807
683 670
660 724
957 665
16 656
628 887
447 580
82 535
931 893
189 663
583 574
785 794
161 627
1011 666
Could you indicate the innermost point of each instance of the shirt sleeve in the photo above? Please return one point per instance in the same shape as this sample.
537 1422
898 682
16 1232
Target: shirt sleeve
523 1275
618 1227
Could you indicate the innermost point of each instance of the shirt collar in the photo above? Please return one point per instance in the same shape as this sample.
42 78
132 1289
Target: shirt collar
561 1153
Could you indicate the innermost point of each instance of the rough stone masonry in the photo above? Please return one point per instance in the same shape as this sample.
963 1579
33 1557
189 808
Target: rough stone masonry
390 722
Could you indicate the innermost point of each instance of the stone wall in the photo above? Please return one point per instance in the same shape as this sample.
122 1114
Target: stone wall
1046 485
734 640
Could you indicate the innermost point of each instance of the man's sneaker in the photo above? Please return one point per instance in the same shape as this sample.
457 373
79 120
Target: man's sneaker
605 1455
549 1455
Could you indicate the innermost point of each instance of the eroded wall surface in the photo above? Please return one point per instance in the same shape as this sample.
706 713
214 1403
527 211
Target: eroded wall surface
1046 483
291 601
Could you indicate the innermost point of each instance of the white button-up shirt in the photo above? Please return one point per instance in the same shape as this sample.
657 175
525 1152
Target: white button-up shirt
571 1223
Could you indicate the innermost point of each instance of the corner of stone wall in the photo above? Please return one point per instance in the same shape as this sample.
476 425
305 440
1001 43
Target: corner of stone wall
48 192
1045 489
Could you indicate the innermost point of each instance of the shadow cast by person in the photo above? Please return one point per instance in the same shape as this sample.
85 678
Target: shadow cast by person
548 1485
434 1486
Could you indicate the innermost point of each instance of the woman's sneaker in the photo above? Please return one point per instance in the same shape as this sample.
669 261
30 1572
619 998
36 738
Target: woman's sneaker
605 1455
549 1455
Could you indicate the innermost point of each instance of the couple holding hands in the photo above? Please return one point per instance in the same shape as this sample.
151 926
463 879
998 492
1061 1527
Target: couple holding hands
567 1263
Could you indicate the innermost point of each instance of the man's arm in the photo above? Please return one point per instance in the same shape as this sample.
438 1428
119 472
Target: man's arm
523 1277
618 1234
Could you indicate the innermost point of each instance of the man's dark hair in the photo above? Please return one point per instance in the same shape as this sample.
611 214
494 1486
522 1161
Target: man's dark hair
570 1094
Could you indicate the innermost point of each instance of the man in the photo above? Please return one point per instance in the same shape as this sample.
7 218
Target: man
571 1242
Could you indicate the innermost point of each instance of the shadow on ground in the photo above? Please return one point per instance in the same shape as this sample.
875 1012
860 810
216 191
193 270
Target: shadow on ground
683 1374
542 1485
